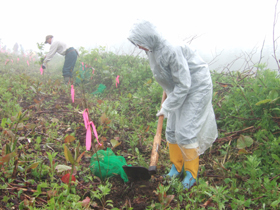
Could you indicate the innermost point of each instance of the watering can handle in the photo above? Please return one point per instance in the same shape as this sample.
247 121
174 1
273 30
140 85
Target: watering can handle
157 141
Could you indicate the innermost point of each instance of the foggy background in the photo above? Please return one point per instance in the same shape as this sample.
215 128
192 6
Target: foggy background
224 28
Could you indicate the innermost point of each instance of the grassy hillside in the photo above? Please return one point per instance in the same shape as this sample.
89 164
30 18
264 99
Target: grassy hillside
43 137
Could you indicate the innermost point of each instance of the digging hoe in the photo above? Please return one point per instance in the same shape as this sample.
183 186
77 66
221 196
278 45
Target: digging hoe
136 173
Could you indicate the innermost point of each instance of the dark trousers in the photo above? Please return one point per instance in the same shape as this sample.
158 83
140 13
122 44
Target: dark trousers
69 63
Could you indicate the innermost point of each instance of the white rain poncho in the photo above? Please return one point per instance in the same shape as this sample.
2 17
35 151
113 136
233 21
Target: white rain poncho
186 79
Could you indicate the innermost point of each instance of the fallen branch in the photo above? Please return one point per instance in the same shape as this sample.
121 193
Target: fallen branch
245 118
274 177
30 198
224 84
259 197
240 131
235 134
23 189
276 132
42 200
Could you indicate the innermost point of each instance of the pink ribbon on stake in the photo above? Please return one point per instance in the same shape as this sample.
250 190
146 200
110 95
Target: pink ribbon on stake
117 80
41 70
88 134
17 59
27 62
85 116
92 70
6 61
12 60
72 93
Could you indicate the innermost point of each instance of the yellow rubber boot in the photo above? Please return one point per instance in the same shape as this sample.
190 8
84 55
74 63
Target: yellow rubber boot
191 167
176 157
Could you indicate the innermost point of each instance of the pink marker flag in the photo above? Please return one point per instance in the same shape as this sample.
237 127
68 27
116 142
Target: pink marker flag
41 70
17 59
92 70
12 60
88 138
27 62
95 132
6 61
72 93
85 116
88 134
117 80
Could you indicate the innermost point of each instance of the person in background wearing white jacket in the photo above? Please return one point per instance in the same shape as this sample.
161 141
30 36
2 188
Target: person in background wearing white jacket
70 54
185 77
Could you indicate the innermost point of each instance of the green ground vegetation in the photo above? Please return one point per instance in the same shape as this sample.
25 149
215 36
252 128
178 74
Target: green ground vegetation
42 136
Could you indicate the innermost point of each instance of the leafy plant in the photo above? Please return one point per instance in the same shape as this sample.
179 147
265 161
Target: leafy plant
74 161
162 197
101 193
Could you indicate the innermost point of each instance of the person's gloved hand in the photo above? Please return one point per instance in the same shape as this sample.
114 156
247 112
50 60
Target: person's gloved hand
162 112
43 66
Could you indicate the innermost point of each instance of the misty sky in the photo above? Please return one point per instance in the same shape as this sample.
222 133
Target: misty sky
220 24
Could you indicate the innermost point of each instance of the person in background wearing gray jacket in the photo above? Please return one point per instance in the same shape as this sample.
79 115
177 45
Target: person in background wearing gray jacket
70 54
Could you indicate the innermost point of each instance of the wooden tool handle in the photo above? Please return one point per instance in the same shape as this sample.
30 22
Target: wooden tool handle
157 141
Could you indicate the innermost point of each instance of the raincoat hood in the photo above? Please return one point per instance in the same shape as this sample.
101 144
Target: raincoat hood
145 34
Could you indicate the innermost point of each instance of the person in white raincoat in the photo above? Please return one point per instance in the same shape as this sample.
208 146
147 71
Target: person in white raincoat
185 77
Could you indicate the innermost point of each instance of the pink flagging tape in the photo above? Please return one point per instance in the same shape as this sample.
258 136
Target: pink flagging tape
88 134
72 93
87 126
117 80
95 132
41 70
85 116
88 138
